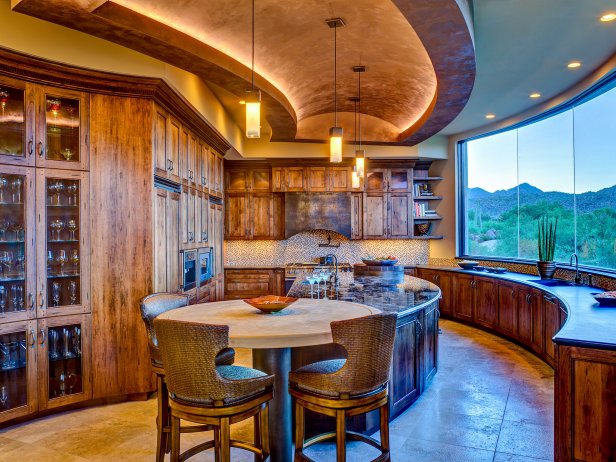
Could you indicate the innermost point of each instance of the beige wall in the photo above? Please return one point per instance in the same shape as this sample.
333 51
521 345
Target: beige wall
57 43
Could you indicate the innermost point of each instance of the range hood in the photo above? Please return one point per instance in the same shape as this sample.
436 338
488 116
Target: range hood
310 211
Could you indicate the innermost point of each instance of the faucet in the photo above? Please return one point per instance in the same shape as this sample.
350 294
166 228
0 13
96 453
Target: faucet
578 277
336 266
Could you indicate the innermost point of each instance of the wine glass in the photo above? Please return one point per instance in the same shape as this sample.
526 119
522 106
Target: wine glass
53 344
75 261
311 281
56 188
4 225
60 225
72 227
71 381
4 396
72 292
72 190
6 260
20 297
20 259
15 297
16 189
55 292
3 184
18 229
67 350
62 384
62 258
77 341
50 261
2 299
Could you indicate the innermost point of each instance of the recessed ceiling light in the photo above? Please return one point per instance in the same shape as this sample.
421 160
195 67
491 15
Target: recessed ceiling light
574 64
535 95
242 101
490 116
608 17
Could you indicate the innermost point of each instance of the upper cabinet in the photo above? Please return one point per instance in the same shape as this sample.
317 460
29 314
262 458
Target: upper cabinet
43 126
313 179
245 180
389 179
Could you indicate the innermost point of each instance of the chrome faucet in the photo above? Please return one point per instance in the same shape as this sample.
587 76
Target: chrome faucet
578 276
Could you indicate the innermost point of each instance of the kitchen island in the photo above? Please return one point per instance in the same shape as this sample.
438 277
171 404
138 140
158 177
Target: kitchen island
415 359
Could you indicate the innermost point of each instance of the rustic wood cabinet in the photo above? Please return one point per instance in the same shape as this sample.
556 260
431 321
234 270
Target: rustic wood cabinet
249 283
405 384
464 297
399 179
552 324
166 241
400 216
444 281
387 216
254 216
486 302
316 179
247 180
357 221
429 336
507 308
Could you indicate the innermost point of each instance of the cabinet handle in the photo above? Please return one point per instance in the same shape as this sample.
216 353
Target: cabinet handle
420 328
42 299
191 236
512 293
32 338
528 297
203 236
171 165
203 181
31 300
42 342
190 174
30 147
40 148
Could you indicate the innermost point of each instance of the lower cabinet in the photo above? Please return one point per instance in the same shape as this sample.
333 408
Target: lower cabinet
507 308
552 312
249 283
464 297
429 337
405 383
486 302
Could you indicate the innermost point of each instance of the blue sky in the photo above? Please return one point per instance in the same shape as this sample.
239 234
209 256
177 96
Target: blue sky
543 153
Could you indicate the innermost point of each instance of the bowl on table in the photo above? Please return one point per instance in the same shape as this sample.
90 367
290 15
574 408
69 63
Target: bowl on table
467 264
605 298
379 262
270 303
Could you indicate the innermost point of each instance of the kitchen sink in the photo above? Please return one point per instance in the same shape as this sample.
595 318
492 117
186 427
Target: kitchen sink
552 282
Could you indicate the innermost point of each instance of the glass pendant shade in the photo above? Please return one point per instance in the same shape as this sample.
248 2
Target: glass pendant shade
355 179
253 114
335 144
360 162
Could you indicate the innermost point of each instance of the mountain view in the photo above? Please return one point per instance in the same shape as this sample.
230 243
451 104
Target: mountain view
498 227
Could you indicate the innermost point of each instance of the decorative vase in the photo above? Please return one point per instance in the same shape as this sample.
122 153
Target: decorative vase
546 269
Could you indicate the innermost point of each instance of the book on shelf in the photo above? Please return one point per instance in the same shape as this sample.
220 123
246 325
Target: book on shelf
422 210
422 189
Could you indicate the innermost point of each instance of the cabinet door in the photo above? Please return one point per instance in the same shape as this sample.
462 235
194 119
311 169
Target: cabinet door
400 216
278 216
17 236
356 216
193 161
525 316
190 222
174 278
160 239
405 380
204 165
219 175
62 127
279 181
375 216
64 375
197 228
236 216
248 283
463 297
376 179
161 162
18 370
340 179
317 179
400 180
551 317
508 309
445 281
184 217
17 143
205 217
262 216
177 147
219 225
430 344
260 180
537 343
238 180
63 242
486 302
295 179
213 172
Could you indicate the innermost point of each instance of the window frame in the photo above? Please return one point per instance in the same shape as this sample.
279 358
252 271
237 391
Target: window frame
461 157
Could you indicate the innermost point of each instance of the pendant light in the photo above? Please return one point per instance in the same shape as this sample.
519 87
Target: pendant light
253 97
360 154
355 180
335 133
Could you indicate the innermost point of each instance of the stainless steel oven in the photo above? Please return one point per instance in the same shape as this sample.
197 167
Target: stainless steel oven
206 262
189 269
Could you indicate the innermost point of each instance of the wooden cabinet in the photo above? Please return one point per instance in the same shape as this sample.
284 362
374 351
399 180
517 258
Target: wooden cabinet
400 216
525 315
429 337
188 220
204 157
254 216
247 180
376 180
508 308
464 297
375 216
444 280
340 179
552 322
398 179
166 146
387 216
249 283
213 175
316 178
357 222
405 384
537 337
262 216
486 302
166 241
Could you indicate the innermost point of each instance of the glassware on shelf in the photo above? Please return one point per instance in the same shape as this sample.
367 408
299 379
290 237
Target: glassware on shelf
77 341
23 353
15 296
62 258
72 292
16 189
6 260
20 297
59 225
62 384
53 344
4 396
20 260
2 299
55 293
19 231
67 153
67 350
50 261
72 228
3 184
72 190
311 281
55 189
71 381
75 261
4 225
8 350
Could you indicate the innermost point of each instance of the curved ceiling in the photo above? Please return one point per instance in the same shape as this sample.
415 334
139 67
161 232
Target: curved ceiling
419 56
523 46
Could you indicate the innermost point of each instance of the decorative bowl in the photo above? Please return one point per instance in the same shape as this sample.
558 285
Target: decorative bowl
467 264
478 268
422 229
270 303
496 269
605 298
379 262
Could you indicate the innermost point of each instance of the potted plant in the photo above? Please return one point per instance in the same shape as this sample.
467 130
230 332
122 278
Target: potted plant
546 243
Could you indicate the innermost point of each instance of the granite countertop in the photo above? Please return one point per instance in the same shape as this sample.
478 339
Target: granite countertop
403 295
255 267
587 324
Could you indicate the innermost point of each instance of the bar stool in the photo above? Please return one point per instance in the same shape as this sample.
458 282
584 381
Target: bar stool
152 306
344 388
203 393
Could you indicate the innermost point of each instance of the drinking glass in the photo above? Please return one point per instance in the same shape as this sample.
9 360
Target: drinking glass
23 353
72 189
77 341
15 296
62 258
16 189
2 299
4 396
311 281
4 349
50 261
4 225
18 229
67 351
75 261
55 292
57 187
72 227
62 384
59 225
20 259
72 381
72 292
10 349
53 344
3 184
6 260
20 297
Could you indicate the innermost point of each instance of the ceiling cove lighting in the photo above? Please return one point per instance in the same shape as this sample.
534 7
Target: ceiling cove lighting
253 97
490 116
608 17
360 154
574 64
335 133
535 95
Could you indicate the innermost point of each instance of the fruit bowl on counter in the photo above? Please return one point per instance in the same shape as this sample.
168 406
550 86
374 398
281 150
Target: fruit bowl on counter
270 303
390 260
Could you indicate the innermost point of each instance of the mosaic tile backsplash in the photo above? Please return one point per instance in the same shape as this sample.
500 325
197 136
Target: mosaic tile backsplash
304 247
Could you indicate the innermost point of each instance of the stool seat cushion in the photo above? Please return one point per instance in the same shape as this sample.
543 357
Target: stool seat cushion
303 378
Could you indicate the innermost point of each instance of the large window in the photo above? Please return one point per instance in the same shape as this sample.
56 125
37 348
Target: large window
563 166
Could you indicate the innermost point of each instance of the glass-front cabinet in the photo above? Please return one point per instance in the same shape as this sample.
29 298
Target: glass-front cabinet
18 369
64 360
62 237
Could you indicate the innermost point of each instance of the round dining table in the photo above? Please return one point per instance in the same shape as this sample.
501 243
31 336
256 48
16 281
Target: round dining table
271 338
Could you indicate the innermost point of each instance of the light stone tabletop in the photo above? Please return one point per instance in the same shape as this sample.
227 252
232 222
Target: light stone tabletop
304 323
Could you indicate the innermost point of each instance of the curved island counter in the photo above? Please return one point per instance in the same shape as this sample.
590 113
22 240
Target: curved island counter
415 359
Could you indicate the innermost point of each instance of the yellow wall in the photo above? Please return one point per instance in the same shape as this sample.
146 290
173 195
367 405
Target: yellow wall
57 43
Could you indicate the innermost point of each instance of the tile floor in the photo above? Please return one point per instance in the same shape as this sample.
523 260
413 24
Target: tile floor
491 401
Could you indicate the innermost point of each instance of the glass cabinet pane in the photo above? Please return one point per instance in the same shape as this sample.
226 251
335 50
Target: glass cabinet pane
399 180
62 129
13 370
375 180
12 121
64 349
12 243
62 250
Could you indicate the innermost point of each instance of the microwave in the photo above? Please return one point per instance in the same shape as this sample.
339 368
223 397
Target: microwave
189 269
206 264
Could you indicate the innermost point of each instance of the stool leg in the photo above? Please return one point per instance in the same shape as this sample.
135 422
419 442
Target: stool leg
162 437
384 413
216 444
225 440
257 435
340 436
264 416
299 427
175 439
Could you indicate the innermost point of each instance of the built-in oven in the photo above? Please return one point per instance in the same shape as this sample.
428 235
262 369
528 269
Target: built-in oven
206 262
189 269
